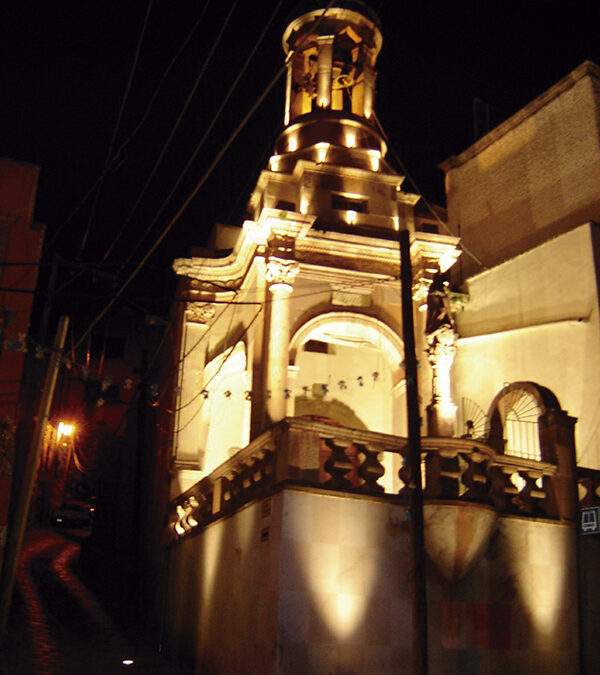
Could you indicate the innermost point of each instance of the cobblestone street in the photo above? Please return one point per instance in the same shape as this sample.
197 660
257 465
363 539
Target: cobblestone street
58 626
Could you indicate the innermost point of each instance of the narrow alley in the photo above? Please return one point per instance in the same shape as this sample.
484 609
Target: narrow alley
59 626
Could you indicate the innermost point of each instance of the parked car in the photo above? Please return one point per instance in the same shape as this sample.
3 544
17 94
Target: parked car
75 515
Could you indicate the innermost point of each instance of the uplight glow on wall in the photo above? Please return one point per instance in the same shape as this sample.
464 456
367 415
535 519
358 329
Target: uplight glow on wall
374 158
274 162
322 149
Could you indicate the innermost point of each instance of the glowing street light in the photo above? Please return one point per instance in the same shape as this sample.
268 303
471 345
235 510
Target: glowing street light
64 430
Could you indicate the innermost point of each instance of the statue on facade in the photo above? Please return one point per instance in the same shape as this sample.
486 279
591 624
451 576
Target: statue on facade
440 320
441 336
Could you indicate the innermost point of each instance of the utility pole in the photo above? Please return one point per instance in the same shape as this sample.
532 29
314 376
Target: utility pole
140 506
415 488
23 493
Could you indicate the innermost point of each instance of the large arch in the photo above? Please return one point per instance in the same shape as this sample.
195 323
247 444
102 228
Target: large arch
348 367
349 327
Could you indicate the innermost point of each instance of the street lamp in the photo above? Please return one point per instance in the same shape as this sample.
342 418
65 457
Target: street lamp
64 429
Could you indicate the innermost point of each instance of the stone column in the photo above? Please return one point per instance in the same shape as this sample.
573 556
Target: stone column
441 412
288 93
441 336
325 67
369 85
280 277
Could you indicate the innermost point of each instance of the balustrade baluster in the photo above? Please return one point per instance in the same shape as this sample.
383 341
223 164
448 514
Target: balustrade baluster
337 466
370 470
442 476
475 478
501 488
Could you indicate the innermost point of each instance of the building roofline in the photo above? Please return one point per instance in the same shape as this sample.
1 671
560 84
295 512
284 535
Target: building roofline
585 69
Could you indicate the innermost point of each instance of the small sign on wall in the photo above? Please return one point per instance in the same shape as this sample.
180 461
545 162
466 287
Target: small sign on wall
590 520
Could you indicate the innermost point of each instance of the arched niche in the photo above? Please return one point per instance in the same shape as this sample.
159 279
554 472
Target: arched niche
226 383
514 415
348 327
351 362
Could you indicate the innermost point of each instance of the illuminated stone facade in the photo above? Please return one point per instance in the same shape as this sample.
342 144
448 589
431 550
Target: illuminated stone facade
319 259
535 176
527 199
288 527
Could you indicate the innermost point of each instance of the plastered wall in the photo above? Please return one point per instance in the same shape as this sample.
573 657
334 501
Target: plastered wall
535 318
308 582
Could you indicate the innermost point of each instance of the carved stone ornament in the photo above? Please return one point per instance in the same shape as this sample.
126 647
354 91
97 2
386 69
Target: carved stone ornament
420 289
281 271
441 345
199 312
440 319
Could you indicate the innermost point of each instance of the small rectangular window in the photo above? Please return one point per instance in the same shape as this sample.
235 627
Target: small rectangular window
319 347
343 203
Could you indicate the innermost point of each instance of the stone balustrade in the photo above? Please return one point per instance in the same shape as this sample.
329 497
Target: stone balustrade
313 453
588 482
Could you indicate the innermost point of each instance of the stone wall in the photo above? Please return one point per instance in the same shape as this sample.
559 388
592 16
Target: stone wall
535 318
531 178
314 582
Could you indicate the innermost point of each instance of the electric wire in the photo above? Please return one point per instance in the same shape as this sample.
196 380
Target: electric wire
193 193
425 201
222 364
182 358
113 165
173 131
214 120
193 417
109 154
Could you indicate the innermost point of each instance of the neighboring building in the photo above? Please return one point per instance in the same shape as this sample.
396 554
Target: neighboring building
535 176
288 538
20 251
524 198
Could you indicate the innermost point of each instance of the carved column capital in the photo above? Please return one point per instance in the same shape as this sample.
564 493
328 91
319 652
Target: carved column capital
420 288
281 272
441 343
199 312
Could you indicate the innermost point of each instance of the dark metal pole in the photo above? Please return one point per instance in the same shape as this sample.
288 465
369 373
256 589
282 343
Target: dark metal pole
23 495
419 582
140 508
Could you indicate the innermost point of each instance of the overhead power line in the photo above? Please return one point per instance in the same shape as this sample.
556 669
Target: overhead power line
425 201
194 192
214 120
112 165
109 154
174 129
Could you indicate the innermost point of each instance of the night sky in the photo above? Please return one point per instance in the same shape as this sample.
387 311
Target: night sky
65 67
